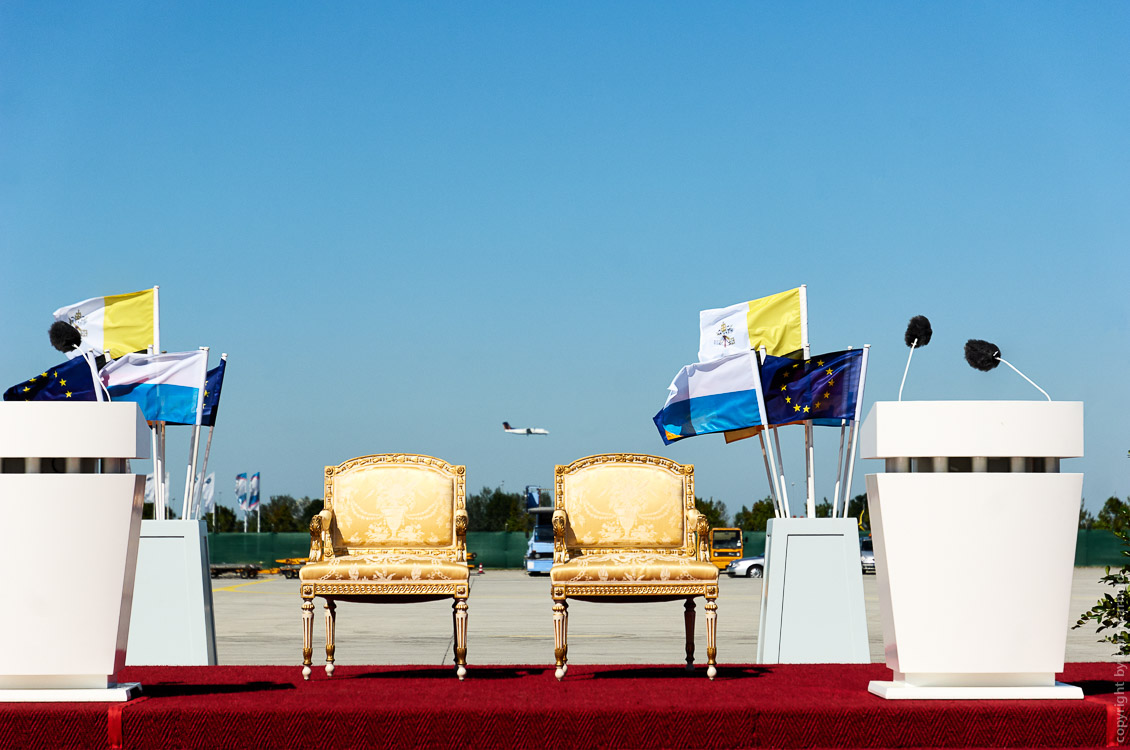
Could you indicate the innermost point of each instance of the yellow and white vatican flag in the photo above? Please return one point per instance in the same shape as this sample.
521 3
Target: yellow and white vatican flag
117 323
778 322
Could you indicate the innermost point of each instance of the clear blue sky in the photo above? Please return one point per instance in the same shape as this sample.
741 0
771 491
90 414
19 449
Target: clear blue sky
407 222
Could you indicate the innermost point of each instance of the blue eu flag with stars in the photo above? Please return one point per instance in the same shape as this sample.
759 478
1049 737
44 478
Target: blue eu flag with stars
70 381
212 386
822 388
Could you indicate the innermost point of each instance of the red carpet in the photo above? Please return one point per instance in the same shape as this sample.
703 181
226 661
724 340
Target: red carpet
595 707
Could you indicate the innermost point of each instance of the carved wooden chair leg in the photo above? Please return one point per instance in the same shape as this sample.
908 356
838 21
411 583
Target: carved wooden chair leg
459 607
688 618
561 636
711 633
331 620
307 635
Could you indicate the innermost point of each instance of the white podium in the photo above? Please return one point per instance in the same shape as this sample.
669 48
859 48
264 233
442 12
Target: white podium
812 609
974 530
172 622
71 553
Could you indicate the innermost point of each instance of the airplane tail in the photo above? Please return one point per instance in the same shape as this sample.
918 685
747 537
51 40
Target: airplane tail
506 426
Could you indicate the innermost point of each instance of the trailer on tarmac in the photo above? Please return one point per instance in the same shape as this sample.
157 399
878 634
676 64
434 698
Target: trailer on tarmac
243 570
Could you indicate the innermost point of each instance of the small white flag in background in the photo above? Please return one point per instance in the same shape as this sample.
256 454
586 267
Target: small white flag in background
208 493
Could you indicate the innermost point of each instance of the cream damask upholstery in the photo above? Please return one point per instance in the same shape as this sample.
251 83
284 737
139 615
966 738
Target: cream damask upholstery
626 530
393 531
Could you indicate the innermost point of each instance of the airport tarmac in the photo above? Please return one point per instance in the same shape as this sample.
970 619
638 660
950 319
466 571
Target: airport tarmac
259 622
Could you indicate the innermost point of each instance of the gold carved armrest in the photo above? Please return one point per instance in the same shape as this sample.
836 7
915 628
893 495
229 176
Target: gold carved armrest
698 523
461 521
559 519
321 541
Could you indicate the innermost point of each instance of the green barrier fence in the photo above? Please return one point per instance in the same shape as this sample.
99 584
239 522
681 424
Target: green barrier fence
264 549
504 549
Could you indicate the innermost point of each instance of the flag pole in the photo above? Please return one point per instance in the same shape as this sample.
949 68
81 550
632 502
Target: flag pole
162 484
839 470
855 426
190 480
207 450
779 465
197 499
839 467
809 452
769 469
779 468
156 320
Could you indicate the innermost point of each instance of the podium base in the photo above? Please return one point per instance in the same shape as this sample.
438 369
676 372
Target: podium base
114 693
900 690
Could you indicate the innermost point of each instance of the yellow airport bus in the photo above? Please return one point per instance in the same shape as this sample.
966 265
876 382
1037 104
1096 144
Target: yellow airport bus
725 546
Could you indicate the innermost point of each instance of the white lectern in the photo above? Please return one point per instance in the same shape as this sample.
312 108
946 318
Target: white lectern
71 551
974 530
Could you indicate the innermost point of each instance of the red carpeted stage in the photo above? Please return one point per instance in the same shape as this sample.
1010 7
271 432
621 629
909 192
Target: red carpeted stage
596 706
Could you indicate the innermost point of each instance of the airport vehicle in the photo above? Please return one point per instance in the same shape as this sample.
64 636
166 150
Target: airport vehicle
524 430
539 550
867 554
748 567
243 570
289 566
725 546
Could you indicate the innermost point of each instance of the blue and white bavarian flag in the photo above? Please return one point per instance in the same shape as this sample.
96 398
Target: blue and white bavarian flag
168 387
715 396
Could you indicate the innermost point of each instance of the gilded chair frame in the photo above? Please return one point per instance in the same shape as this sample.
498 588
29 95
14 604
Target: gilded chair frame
327 545
693 548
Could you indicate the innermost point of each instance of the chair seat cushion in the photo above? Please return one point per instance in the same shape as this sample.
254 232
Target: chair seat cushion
632 566
384 567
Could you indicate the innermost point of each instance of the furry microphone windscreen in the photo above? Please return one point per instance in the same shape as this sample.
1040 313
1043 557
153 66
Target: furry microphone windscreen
981 355
64 336
918 328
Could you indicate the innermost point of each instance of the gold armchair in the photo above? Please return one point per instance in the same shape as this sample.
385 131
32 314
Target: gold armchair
393 531
625 529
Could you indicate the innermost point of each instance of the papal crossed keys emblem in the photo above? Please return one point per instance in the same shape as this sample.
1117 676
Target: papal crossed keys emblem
724 338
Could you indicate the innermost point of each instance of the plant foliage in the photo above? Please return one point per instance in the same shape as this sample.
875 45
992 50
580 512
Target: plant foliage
1112 611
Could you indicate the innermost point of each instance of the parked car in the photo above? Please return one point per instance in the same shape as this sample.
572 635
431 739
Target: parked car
750 567
867 555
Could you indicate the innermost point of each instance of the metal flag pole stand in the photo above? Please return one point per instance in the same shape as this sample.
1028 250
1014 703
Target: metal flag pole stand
825 579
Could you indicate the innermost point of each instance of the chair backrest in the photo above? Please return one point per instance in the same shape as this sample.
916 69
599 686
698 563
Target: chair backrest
394 501
626 501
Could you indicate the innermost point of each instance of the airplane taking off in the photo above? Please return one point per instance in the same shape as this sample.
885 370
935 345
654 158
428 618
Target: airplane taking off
524 430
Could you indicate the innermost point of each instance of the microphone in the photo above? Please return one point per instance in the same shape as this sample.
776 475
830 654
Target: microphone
918 333
984 356
64 336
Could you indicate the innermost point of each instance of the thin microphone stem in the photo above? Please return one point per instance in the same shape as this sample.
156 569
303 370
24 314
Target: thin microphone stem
1018 372
904 372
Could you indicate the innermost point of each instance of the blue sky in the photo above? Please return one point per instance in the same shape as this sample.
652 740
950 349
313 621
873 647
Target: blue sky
406 223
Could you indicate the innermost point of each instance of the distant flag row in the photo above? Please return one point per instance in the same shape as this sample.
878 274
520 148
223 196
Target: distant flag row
247 491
